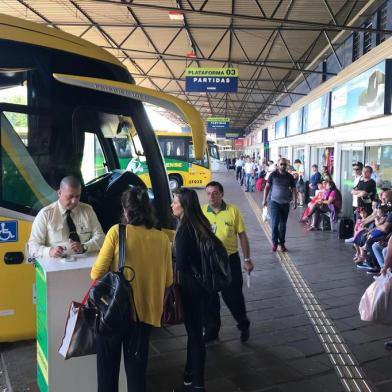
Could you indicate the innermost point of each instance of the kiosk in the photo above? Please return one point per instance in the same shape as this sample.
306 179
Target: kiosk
58 282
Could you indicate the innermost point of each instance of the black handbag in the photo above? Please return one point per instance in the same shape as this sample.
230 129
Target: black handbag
80 330
112 296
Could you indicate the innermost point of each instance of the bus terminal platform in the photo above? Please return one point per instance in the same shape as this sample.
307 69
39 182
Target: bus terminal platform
305 335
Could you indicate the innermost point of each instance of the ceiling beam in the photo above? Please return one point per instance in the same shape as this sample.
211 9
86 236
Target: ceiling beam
337 27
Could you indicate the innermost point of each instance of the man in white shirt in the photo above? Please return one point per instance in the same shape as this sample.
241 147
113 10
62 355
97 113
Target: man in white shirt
357 173
249 169
239 163
66 226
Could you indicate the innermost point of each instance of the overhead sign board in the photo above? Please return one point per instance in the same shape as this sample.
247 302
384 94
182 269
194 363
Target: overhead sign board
218 123
211 80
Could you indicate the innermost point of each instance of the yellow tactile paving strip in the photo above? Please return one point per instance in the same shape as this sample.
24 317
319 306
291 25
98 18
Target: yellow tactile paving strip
346 366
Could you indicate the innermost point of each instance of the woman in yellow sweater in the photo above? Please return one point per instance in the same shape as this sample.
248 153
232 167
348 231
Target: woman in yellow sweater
148 252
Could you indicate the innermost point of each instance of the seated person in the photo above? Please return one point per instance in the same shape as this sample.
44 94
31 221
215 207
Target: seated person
361 230
319 195
375 234
330 203
66 226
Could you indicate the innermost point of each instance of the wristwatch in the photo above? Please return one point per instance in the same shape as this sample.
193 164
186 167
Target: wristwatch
248 259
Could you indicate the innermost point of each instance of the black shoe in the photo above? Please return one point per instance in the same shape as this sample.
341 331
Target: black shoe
210 336
244 337
388 345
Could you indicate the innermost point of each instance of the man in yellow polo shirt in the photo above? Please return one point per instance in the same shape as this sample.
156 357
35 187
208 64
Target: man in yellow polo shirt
227 223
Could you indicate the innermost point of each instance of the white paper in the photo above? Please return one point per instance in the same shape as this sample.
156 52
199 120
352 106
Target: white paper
248 281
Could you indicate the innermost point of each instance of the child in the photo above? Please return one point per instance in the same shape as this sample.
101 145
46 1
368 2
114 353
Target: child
362 214
376 234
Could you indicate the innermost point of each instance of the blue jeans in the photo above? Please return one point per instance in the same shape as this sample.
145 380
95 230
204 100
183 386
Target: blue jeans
279 214
380 253
248 182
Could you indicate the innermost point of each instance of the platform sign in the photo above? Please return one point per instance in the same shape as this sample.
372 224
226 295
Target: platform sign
215 124
215 80
232 135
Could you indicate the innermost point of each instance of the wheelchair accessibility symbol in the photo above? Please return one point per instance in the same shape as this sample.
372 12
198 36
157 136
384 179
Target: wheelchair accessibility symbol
8 231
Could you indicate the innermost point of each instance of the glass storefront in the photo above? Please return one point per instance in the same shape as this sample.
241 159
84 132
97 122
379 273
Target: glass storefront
323 156
380 158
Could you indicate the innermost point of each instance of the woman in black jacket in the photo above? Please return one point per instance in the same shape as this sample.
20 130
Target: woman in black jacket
193 227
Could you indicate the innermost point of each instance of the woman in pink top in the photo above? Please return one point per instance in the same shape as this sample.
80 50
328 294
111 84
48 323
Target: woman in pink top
331 203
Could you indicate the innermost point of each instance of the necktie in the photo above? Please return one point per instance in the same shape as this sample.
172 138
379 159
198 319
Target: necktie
73 235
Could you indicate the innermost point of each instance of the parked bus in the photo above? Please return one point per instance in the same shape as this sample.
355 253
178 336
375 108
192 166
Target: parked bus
213 153
67 107
183 167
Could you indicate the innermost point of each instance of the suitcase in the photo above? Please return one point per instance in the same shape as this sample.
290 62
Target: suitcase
345 228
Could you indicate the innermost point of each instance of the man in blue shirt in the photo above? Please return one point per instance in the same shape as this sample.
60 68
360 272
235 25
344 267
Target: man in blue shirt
315 179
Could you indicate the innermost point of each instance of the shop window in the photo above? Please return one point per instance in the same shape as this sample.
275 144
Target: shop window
380 158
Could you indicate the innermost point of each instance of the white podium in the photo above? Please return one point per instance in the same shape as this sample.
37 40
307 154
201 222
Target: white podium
58 282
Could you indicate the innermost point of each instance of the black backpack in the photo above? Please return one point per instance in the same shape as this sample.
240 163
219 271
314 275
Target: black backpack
215 274
346 228
112 296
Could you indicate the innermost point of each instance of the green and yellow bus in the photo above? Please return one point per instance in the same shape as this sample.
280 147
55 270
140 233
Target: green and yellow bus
183 168
67 107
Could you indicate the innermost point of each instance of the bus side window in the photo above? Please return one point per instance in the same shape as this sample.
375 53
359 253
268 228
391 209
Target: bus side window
93 163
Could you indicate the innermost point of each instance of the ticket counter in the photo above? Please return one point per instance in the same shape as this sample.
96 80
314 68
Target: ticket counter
58 282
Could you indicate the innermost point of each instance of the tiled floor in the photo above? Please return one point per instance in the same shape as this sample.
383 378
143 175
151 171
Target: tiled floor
284 352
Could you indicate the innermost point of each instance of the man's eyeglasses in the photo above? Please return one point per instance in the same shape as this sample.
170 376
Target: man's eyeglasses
357 168
283 164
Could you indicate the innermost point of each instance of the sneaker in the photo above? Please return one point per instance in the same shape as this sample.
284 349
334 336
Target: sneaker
388 345
283 248
312 228
187 379
364 265
349 240
373 271
274 248
244 337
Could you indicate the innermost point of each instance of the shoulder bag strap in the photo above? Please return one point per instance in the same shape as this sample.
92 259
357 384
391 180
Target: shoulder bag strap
121 261
121 246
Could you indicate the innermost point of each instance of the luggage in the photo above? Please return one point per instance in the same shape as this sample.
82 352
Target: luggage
345 228
376 302
260 184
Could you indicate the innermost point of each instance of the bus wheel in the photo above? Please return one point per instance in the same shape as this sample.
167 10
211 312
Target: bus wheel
175 182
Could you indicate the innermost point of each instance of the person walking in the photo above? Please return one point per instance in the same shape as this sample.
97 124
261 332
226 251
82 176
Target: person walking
281 184
193 227
228 225
239 164
249 169
148 253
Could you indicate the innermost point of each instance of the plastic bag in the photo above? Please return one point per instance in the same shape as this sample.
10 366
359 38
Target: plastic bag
265 216
376 302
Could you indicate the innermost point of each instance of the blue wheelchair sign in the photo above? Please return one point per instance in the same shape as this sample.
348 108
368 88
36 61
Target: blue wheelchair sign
8 231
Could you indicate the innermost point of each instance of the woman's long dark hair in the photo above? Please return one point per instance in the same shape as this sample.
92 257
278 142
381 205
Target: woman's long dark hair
137 208
193 215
